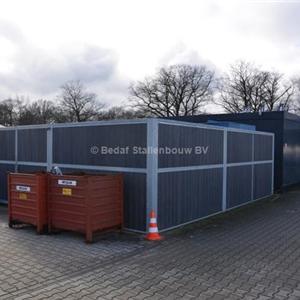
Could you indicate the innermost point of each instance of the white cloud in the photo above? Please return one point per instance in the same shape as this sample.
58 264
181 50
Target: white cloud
29 70
107 44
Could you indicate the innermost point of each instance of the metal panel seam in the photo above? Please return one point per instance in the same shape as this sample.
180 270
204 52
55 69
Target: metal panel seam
70 166
224 189
273 157
16 149
252 170
102 168
258 162
191 168
152 168
8 162
49 148
31 163
79 124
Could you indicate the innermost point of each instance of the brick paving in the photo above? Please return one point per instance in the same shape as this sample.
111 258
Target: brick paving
252 253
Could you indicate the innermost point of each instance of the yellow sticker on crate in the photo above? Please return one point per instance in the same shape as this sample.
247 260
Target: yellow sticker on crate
67 192
23 196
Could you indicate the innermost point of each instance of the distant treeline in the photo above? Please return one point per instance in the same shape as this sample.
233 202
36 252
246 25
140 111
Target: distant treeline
173 91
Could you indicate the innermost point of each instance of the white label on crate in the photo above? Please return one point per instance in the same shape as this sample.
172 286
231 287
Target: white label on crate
67 182
21 188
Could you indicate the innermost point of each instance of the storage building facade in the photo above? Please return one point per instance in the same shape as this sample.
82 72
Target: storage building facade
284 125
184 171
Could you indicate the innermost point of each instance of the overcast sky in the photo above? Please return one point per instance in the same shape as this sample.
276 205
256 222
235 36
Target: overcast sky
108 44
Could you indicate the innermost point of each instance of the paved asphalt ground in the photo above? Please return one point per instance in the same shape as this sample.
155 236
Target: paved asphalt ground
252 253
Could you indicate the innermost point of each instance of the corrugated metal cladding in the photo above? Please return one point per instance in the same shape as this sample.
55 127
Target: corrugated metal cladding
291 152
135 208
239 147
7 148
262 180
193 191
262 147
277 122
32 145
83 139
134 197
4 169
31 169
208 141
188 195
239 186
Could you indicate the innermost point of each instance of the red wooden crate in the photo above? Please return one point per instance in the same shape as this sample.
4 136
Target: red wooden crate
27 195
86 203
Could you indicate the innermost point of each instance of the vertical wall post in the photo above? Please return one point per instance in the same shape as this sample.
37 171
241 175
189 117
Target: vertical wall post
152 167
252 168
16 149
224 191
49 148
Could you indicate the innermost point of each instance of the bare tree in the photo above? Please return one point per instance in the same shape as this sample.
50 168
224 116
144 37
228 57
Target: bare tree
278 94
296 103
77 104
174 91
248 88
119 112
10 111
38 112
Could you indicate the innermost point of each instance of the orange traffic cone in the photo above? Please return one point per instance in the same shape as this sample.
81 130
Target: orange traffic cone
153 234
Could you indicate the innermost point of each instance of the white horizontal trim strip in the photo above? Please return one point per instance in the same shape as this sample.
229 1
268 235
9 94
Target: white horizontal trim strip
206 167
70 166
8 129
79 124
258 162
31 163
14 128
190 124
8 162
189 168
134 170
208 126
101 123
102 168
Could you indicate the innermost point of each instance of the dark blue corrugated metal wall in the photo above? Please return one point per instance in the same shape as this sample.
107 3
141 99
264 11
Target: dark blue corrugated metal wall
239 189
81 139
190 194
7 145
183 195
269 122
32 145
181 137
291 151
4 169
72 145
